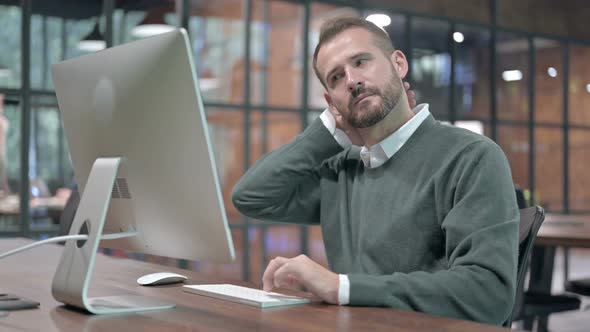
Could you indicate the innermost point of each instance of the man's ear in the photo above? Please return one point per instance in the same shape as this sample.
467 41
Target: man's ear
328 99
400 63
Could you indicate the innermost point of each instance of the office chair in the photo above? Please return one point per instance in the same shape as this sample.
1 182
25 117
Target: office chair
530 305
530 222
578 286
520 199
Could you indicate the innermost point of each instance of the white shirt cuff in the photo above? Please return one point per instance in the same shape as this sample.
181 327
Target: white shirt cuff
330 124
343 290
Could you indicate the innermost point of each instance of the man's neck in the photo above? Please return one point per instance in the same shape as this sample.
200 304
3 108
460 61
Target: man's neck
398 116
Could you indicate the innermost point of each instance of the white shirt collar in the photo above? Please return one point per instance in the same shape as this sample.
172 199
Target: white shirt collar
379 153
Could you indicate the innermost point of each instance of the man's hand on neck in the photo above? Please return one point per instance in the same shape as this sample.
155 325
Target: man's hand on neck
349 130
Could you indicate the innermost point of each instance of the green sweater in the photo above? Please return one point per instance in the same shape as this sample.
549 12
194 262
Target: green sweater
434 229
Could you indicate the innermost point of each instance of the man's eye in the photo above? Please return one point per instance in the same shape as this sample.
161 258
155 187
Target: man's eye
360 61
336 77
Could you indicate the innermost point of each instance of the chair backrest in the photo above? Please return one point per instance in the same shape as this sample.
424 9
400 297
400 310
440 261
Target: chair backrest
520 199
530 222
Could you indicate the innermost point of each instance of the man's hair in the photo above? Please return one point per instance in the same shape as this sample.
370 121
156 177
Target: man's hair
335 26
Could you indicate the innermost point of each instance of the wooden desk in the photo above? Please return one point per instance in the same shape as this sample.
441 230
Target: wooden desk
41 207
30 273
565 230
11 204
557 230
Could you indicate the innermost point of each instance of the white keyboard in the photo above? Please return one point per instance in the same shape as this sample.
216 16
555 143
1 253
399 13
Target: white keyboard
245 295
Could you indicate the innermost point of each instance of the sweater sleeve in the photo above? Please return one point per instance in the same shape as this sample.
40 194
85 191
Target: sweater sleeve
284 185
481 246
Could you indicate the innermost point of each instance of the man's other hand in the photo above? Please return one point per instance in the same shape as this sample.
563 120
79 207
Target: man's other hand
411 95
292 273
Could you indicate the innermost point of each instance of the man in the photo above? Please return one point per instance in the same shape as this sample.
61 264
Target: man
422 217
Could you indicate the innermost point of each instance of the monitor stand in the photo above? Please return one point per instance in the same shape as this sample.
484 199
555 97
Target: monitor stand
73 274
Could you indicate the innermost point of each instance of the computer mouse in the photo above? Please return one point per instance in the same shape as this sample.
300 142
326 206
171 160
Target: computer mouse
161 278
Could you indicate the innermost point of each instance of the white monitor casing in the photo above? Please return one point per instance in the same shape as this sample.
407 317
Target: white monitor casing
137 107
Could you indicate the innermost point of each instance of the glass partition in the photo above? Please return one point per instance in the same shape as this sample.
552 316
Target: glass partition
431 65
217 37
10 52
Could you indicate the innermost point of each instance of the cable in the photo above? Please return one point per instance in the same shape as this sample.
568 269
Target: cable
113 236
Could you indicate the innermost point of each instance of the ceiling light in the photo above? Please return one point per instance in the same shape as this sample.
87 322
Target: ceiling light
552 72
512 75
208 84
458 37
474 126
588 88
93 42
380 20
152 24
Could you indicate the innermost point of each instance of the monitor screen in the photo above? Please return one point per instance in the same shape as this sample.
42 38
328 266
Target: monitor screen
140 102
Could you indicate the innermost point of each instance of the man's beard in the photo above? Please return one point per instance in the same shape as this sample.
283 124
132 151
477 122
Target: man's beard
389 98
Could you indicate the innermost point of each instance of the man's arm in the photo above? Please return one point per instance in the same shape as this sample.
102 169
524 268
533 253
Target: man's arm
284 185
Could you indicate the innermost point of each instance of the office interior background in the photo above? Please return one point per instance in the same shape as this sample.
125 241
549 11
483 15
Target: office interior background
514 70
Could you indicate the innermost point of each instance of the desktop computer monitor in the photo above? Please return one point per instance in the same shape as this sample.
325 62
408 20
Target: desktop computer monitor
139 144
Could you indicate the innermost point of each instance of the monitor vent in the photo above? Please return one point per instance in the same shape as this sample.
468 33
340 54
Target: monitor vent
115 192
121 189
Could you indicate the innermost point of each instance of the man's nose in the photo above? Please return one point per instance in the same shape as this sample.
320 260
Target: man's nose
354 82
